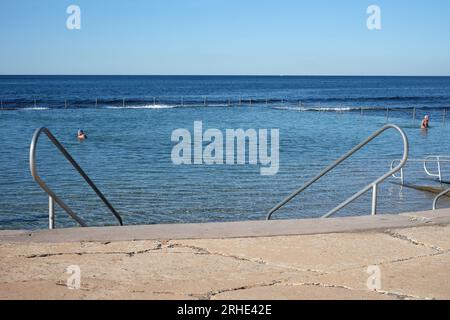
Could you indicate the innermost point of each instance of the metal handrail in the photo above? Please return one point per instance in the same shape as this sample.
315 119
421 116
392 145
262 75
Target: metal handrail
434 159
52 195
373 185
440 195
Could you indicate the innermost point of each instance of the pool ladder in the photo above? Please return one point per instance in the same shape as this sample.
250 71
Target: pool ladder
52 195
373 185
433 159
429 159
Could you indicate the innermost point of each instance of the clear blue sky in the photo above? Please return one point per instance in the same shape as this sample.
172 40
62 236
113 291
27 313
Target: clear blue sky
290 37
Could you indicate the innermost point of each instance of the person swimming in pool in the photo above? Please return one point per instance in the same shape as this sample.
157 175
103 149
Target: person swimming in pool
81 135
425 122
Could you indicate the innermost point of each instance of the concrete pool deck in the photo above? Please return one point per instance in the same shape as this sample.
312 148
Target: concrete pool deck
281 259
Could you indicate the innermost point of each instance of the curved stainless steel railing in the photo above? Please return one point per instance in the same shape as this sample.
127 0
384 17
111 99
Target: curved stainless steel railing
52 195
440 195
373 185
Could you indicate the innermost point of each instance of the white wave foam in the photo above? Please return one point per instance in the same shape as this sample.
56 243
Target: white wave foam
150 106
215 105
326 109
35 108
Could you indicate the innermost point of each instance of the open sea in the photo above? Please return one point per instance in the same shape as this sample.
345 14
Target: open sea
129 121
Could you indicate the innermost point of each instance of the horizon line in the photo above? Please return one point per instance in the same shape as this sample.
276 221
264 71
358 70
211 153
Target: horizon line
218 75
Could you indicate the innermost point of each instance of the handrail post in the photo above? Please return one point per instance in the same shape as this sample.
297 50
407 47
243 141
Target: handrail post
51 213
374 199
439 168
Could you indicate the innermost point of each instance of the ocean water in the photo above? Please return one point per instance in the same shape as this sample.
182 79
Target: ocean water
129 121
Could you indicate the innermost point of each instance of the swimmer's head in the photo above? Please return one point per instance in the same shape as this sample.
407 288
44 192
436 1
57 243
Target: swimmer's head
80 132
426 117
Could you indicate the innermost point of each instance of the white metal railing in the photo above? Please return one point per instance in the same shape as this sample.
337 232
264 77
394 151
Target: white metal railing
373 185
438 159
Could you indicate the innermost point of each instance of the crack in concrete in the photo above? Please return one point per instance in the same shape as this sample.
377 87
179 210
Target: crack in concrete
211 294
63 284
259 261
318 284
414 257
396 235
198 250
401 296
128 253
415 242
392 261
